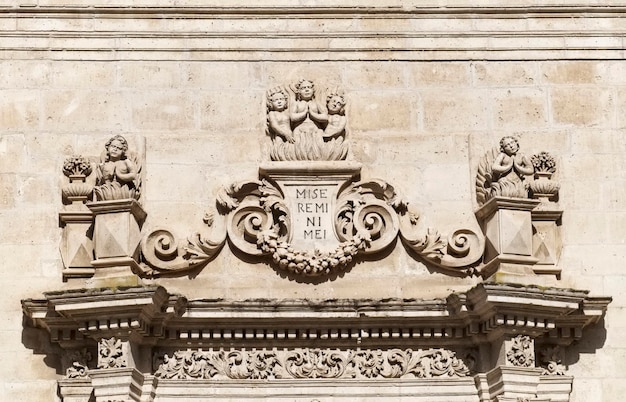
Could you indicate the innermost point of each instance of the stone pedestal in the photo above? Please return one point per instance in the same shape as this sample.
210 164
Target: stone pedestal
76 243
507 225
76 390
507 383
118 384
547 239
116 240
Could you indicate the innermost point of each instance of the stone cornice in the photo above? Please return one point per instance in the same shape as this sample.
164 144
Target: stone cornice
193 31
152 316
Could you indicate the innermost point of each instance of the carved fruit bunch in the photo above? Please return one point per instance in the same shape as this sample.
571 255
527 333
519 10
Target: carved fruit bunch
310 263
76 168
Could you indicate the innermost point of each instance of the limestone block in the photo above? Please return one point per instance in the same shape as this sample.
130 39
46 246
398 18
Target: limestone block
75 390
163 110
574 72
24 73
85 110
69 74
499 74
8 191
520 108
149 74
373 111
212 105
441 74
556 388
547 243
581 106
76 244
116 384
20 110
387 77
224 76
445 110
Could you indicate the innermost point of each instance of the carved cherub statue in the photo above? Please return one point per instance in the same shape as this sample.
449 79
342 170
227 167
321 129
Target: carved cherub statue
509 161
503 173
335 103
303 127
306 105
278 120
117 175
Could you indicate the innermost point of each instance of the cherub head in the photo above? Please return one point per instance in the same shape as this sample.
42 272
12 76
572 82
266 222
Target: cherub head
509 145
305 89
116 148
276 99
335 103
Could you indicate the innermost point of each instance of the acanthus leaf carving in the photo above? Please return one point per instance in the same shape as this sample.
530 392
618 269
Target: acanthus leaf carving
521 352
311 364
163 255
551 360
460 252
111 353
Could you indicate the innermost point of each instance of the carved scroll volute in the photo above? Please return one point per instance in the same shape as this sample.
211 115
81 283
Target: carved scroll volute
162 254
379 221
460 252
245 223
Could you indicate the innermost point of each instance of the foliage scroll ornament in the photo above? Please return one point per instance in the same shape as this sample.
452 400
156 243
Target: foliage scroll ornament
311 364
368 218
76 363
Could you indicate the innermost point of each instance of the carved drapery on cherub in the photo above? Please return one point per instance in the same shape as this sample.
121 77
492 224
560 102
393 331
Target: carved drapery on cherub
304 126
118 173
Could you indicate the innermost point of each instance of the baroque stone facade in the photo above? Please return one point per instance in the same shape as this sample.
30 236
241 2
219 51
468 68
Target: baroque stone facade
417 201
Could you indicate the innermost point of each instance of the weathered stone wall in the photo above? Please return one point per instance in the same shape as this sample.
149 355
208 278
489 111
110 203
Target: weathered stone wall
418 119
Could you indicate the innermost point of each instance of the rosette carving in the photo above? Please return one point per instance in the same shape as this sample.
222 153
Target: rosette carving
76 363
551 360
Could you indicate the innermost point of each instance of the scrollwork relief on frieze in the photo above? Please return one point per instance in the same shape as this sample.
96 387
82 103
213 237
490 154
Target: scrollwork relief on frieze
311 364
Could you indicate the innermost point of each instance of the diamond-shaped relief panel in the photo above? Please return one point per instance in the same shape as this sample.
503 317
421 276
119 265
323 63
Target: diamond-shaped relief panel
112 235
516 232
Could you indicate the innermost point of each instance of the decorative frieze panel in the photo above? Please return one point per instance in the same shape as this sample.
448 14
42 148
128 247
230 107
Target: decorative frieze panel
311 364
